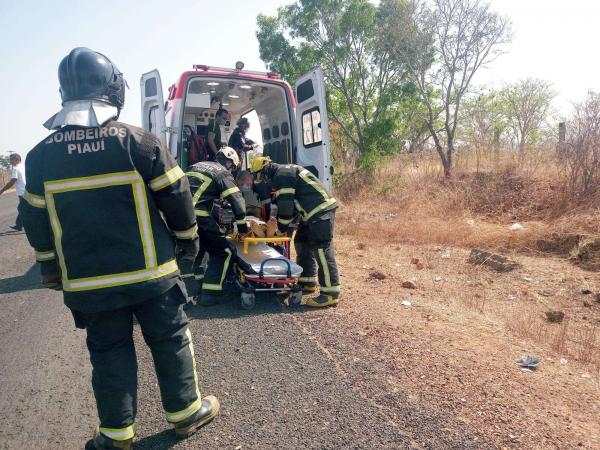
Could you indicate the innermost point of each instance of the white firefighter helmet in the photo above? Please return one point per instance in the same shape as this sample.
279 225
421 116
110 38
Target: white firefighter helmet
227 153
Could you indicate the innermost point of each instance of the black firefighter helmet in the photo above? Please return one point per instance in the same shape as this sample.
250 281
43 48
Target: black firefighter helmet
88 75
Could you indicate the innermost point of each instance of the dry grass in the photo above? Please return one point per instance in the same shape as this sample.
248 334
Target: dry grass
571 338
409 201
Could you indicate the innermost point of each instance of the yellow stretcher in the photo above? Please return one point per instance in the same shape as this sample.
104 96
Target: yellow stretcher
267 240
267 270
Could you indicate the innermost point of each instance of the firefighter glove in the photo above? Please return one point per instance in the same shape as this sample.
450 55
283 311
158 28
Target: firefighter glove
187 249
242 228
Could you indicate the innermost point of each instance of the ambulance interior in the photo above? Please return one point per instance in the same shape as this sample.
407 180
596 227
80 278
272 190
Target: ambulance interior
266 106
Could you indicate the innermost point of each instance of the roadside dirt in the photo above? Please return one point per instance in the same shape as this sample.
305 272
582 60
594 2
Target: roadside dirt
454 350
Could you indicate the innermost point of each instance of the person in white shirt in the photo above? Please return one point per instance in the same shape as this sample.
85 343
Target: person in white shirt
17 180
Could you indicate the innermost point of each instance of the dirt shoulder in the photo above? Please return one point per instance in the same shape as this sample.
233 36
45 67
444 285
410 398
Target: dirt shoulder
453 352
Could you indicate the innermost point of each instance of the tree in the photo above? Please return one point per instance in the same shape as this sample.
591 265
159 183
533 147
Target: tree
527 104
4 166
5 162
482 120
443 43
582 152
365 86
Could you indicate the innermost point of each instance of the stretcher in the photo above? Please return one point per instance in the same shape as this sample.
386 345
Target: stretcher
263 268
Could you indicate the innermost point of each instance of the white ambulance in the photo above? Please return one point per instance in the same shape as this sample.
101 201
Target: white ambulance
293 124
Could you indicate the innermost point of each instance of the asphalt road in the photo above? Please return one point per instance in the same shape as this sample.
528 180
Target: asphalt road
278 387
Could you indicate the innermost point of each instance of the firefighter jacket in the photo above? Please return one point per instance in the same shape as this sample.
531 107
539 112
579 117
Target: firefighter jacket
92 212
297 190
210 181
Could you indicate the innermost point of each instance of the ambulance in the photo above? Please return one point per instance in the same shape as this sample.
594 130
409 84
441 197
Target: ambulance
293 122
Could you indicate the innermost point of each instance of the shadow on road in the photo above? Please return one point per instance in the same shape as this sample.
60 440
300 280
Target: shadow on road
163 440
265 304
26 282
11 233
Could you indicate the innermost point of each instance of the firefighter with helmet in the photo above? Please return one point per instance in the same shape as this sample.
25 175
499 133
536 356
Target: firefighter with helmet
298 191
212 183
97 191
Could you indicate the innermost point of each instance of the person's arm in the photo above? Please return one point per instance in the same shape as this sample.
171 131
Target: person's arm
36 221
232 194
8 185
171 192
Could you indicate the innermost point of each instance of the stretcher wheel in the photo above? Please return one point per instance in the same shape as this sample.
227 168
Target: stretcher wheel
248 300
295 298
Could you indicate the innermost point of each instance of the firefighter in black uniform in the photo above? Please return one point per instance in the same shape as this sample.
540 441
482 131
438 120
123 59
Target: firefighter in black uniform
297 190
211 182
92 212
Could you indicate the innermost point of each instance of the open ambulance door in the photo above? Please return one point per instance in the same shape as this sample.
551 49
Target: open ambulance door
312 128
153 106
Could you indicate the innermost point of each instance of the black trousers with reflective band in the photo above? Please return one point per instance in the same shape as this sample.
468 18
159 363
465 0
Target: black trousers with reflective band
221 256
164 326
316 255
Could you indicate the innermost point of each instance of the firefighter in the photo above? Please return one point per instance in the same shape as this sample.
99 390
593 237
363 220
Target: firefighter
97 192
297 190
210 182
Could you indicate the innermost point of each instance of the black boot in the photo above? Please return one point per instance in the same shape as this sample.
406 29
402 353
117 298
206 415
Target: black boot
208 411
206 299
101 442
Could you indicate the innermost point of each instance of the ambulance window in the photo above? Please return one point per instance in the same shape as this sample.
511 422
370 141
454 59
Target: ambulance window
305 91
150 89
316 123
311 127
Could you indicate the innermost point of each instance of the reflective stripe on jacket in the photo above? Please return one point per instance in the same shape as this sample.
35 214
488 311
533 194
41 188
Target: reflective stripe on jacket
297 190
93 211
210 181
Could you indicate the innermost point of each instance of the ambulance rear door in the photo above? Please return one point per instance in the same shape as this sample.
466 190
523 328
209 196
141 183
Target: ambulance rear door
312 128
153 105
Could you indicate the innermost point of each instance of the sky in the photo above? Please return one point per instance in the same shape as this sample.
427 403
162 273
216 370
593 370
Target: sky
553 40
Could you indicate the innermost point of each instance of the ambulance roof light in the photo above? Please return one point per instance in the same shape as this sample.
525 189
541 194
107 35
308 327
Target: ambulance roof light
273 75
200 67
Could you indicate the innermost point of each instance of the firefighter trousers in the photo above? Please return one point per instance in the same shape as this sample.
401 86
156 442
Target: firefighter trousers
164 327
316 255
221 256
198 267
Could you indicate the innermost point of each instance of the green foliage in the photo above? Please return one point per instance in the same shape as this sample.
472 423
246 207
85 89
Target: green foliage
443 44
397 72
516 115
483 121
527 105
4 162
275 49
367 91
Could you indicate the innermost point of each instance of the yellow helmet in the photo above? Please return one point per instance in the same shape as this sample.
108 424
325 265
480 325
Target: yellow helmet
259 163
